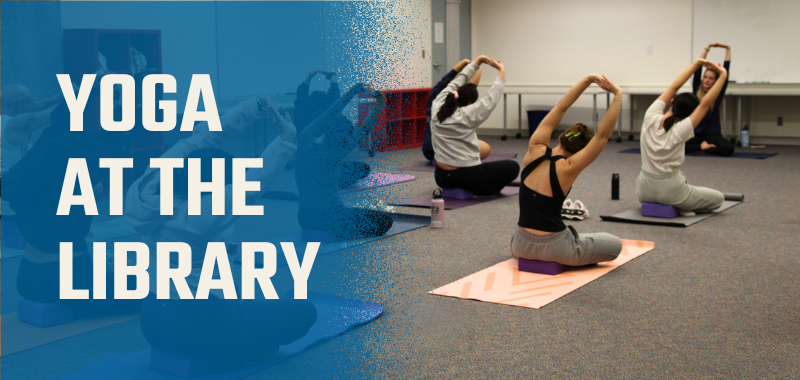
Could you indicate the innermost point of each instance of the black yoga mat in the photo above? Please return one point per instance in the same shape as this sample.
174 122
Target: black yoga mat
754 155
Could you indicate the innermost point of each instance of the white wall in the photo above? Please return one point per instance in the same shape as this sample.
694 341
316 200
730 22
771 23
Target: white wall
762 35
556 43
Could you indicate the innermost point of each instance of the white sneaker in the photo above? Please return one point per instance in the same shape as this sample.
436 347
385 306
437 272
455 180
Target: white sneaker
570 210
566 209
580 206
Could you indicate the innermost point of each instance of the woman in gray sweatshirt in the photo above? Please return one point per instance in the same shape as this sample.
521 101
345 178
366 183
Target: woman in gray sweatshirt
457 116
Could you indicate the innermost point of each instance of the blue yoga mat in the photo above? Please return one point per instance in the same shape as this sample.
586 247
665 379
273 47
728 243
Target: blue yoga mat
335 316
735 154
402 223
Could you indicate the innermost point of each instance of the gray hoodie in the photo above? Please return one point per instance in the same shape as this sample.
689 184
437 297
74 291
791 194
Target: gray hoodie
144 202
455 140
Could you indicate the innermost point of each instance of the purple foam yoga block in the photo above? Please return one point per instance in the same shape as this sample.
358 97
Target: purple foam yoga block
457 193
544 267
182 365
320 236
659 210
44 314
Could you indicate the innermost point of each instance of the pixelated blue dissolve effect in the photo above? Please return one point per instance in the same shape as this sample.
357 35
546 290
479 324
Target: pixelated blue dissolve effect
248 49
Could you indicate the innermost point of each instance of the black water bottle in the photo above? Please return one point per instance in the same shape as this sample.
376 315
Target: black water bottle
615 186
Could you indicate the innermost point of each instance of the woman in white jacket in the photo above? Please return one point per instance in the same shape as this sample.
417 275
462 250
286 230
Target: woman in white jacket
234 330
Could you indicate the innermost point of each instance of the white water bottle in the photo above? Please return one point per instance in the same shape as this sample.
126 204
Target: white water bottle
745 138
437 209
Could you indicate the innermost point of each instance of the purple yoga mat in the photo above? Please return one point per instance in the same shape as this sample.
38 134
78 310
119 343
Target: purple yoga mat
377 180
428 167
371 181
452 204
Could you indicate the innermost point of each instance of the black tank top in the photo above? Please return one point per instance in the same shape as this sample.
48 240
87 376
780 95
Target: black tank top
537 211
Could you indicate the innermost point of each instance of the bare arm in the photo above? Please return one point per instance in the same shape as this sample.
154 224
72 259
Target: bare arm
704 54
711 96
719 45
372 117
481 110
19 129
476 79
678 83
587 155
461 65
341 103
550 122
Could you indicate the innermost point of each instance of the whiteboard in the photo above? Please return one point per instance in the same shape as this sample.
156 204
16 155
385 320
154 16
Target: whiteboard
763 36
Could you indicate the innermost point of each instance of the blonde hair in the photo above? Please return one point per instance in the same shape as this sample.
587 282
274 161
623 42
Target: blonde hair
701 92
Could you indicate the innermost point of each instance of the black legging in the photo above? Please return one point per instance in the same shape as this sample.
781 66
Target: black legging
427 144
724 147
225 330
485 179
351 172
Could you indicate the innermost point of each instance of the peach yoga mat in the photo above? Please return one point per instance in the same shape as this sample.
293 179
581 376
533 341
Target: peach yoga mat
503 283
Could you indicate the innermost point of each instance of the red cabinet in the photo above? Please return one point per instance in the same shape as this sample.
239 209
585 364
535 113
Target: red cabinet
402 123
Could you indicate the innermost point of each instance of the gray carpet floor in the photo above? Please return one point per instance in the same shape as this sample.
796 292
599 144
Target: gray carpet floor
715 300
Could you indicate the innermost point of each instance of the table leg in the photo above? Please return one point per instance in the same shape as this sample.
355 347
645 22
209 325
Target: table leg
519 116
594 113
505 117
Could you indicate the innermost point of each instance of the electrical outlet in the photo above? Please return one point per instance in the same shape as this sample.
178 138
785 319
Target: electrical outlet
780 121
649 49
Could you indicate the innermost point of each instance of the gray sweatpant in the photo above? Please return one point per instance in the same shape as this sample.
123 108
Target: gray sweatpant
673 189
566 247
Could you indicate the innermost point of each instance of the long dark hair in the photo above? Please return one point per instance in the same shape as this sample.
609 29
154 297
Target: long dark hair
467 94
682 107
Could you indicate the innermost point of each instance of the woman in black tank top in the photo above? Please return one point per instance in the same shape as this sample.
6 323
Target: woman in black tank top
547 178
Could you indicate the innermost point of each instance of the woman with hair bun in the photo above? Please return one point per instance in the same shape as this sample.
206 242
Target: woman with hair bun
547 178
457 114
663 140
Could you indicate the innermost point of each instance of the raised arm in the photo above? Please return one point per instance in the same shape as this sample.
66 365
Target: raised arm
481 110
587 155
726 65
339 105
550 122
697 80
461 79
476 79
437 89
726 47
19 128
711 96
333 91
678 83
373 115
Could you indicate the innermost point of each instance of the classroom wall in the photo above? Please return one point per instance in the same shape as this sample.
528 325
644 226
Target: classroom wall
762 36
555 44
551 45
